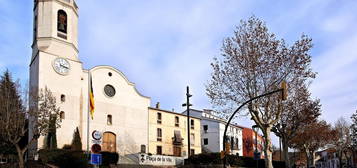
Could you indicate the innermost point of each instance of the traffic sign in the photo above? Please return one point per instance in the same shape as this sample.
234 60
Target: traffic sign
96 135
96 141
96 148
96 159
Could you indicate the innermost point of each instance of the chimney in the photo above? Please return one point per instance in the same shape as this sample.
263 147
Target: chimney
158 105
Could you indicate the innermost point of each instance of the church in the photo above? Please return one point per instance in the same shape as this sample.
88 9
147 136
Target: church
123 120
121 112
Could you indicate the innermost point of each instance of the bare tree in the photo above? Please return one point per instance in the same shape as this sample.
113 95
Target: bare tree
342 142
255 62
353 134
311 137
14 115
298 111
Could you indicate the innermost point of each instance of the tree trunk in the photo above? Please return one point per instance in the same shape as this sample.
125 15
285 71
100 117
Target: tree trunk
340 159
307 158
286 152
268 148
353 158
20 154
312 155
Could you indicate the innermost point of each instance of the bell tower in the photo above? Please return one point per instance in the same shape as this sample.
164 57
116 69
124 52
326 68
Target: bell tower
55 64
56 28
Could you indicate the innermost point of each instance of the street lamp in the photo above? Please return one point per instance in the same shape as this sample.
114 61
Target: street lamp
284 93
187 104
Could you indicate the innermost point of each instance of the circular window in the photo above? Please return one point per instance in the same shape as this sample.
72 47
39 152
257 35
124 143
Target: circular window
110 74
109 90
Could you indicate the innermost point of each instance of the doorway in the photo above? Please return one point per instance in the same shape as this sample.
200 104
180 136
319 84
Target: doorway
177 151
109 142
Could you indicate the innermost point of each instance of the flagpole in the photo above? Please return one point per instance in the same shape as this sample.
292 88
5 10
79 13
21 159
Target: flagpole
88 109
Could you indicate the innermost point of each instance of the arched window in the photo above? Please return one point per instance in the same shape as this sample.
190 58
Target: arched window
177 121
62 21
63 98
109 119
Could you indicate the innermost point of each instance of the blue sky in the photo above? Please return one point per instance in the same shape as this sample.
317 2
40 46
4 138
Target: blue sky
163 46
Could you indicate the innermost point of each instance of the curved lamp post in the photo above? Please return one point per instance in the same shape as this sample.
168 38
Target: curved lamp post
283 91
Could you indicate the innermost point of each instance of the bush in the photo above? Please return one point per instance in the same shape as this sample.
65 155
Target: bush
67 147
205 159
76 141
109 158
240 161
64 158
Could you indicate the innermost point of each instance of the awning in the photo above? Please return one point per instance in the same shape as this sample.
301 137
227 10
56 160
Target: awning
177 139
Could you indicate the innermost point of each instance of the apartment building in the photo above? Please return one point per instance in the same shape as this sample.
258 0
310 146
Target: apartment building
212 130
168 133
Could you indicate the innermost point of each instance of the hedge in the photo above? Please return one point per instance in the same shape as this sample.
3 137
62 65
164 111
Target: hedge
234 160
76 159
64 158
109 158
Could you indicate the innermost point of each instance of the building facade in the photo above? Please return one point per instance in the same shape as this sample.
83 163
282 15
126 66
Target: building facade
250 141
55 65
212 130
168 133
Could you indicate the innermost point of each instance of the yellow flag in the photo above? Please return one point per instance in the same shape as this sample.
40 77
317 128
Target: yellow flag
91 99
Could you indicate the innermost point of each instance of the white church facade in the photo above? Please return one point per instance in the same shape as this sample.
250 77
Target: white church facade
121 112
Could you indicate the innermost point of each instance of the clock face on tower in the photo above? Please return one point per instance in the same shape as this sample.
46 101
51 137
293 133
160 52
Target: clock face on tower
61 66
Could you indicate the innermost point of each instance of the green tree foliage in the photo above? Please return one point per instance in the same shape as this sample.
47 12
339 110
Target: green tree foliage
76 141
16 120
51 137
12 114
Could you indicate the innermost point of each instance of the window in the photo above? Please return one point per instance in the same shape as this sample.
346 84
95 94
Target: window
192 124
109 90
205 128
192 139
159 134
110 74
63 98
62 116
159 150
109 120
232 142
177 121
205 141
237 143
62 21
159 118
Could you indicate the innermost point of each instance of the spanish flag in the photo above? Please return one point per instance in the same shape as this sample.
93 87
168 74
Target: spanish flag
91 99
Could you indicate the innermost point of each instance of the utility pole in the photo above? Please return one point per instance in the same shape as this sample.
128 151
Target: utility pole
187 104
